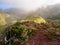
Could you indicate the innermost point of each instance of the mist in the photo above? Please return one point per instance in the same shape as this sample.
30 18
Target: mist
27 4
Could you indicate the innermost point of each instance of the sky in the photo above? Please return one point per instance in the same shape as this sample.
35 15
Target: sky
26 4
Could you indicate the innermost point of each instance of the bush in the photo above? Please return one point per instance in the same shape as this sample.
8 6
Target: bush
21 33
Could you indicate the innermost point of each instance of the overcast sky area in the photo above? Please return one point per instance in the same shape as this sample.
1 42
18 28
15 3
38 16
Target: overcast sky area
26 4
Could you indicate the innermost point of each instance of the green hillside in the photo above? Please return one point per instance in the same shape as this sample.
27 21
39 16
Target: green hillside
3 18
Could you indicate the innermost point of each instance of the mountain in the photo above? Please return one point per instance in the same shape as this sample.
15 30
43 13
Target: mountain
16 13
51 11
55 12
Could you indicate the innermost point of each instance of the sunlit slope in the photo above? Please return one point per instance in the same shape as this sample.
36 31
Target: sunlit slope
35 19
39 20
3 18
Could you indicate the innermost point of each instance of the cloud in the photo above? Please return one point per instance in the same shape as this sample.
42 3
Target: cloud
29 4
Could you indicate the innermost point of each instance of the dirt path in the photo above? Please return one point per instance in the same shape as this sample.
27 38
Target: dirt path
40 39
